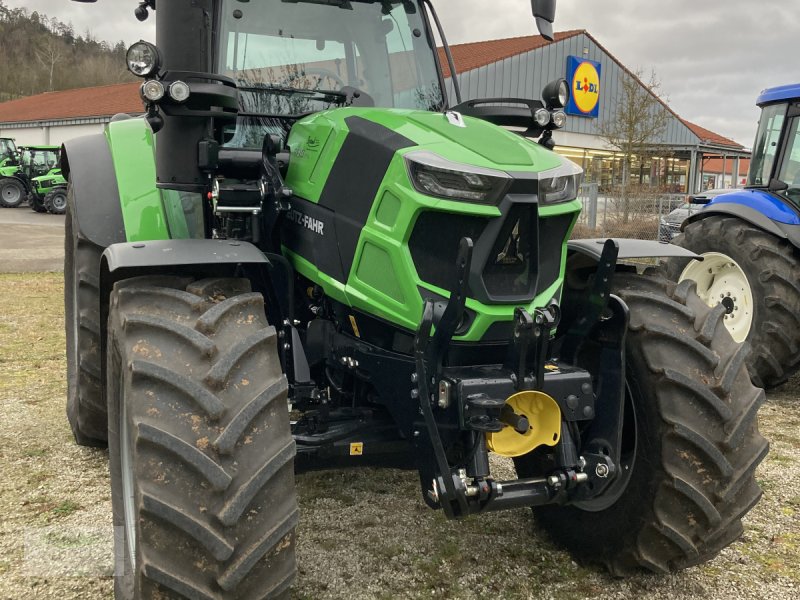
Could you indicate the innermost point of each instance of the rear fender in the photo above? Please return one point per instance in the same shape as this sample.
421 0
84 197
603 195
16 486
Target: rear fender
735 207
113 179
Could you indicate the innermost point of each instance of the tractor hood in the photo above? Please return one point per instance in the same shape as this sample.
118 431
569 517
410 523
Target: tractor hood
315 141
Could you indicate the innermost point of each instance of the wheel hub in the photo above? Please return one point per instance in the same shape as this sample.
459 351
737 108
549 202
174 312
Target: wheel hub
11 194
720 279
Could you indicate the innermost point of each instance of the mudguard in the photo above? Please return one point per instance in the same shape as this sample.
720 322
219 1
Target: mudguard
629 248
784 231
214 258
86 162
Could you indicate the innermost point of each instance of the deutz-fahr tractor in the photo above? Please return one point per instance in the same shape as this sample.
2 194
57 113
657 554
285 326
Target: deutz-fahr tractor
36 174
750 242
307 254
9 165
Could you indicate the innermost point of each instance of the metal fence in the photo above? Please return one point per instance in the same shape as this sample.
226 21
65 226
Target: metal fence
637 212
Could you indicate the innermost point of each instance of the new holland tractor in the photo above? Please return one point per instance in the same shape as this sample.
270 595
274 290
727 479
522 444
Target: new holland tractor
308 254
750 242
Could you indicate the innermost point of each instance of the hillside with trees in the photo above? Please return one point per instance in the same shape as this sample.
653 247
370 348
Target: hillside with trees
39 54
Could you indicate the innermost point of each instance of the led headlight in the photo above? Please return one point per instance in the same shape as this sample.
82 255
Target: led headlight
542 117
179 91
560 184
153 90
142 59
435 176
559 118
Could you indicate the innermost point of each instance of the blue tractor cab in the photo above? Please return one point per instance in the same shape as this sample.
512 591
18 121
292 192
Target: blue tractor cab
750 241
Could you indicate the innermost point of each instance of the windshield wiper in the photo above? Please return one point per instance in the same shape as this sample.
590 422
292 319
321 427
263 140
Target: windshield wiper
280 89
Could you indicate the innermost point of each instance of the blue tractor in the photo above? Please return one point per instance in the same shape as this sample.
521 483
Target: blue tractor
750 241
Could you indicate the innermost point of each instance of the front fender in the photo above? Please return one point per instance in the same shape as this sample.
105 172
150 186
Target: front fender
629 248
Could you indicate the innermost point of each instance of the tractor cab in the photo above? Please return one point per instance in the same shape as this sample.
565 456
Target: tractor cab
293 59
36 161
8 154
775 165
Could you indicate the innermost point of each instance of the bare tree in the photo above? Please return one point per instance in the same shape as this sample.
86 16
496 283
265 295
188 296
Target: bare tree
49 55
637 125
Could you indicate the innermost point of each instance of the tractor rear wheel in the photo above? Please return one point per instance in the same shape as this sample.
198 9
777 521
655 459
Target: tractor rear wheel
86 411
55 201
200 445
757 277
12 192
690 441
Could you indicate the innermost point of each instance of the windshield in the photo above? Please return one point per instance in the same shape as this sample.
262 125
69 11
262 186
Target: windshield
40 161
766 144
7 149
293 58
789 171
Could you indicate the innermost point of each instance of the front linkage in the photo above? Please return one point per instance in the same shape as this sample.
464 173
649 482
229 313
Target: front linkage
485 400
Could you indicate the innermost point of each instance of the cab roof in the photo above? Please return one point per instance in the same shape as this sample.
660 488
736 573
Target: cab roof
779 94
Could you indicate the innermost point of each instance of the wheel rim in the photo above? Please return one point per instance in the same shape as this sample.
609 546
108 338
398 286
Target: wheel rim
126 472
59 201
11 194
720 279
626 461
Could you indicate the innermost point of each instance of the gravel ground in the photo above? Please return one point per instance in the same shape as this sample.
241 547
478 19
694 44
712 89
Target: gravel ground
364 534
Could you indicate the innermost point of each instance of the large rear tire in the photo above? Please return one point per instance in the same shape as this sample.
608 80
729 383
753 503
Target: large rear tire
200 446
12 192
769 269
690 441
86 410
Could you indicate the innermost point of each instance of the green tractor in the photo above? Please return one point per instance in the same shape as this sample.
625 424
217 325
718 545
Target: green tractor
36 175
42 174
10 196
306 255
50 192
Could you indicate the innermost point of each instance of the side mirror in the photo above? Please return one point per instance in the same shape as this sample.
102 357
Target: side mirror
544 11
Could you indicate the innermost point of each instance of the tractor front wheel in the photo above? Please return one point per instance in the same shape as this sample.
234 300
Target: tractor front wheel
12 192
200 446
36 203
756 276
55 201
690 440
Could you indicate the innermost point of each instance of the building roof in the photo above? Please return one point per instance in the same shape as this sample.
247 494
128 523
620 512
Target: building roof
473 55
82 103
709 137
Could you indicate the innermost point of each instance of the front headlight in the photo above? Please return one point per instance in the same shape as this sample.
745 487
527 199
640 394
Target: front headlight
560 184
143 59
435 176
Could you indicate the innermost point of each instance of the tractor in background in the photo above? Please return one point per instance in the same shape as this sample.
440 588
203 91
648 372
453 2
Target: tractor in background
35 177
10 196
750 243
307 254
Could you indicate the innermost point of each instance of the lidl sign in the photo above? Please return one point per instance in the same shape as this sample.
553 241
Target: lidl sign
584 77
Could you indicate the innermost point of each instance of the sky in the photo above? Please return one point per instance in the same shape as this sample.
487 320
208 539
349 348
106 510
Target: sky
712 57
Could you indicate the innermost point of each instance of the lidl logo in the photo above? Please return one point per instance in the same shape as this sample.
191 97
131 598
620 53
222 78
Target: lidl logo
584 76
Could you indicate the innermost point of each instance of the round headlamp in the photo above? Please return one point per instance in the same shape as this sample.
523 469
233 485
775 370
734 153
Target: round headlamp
542 117
559 118
153 90
142 59
179 91
556 94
